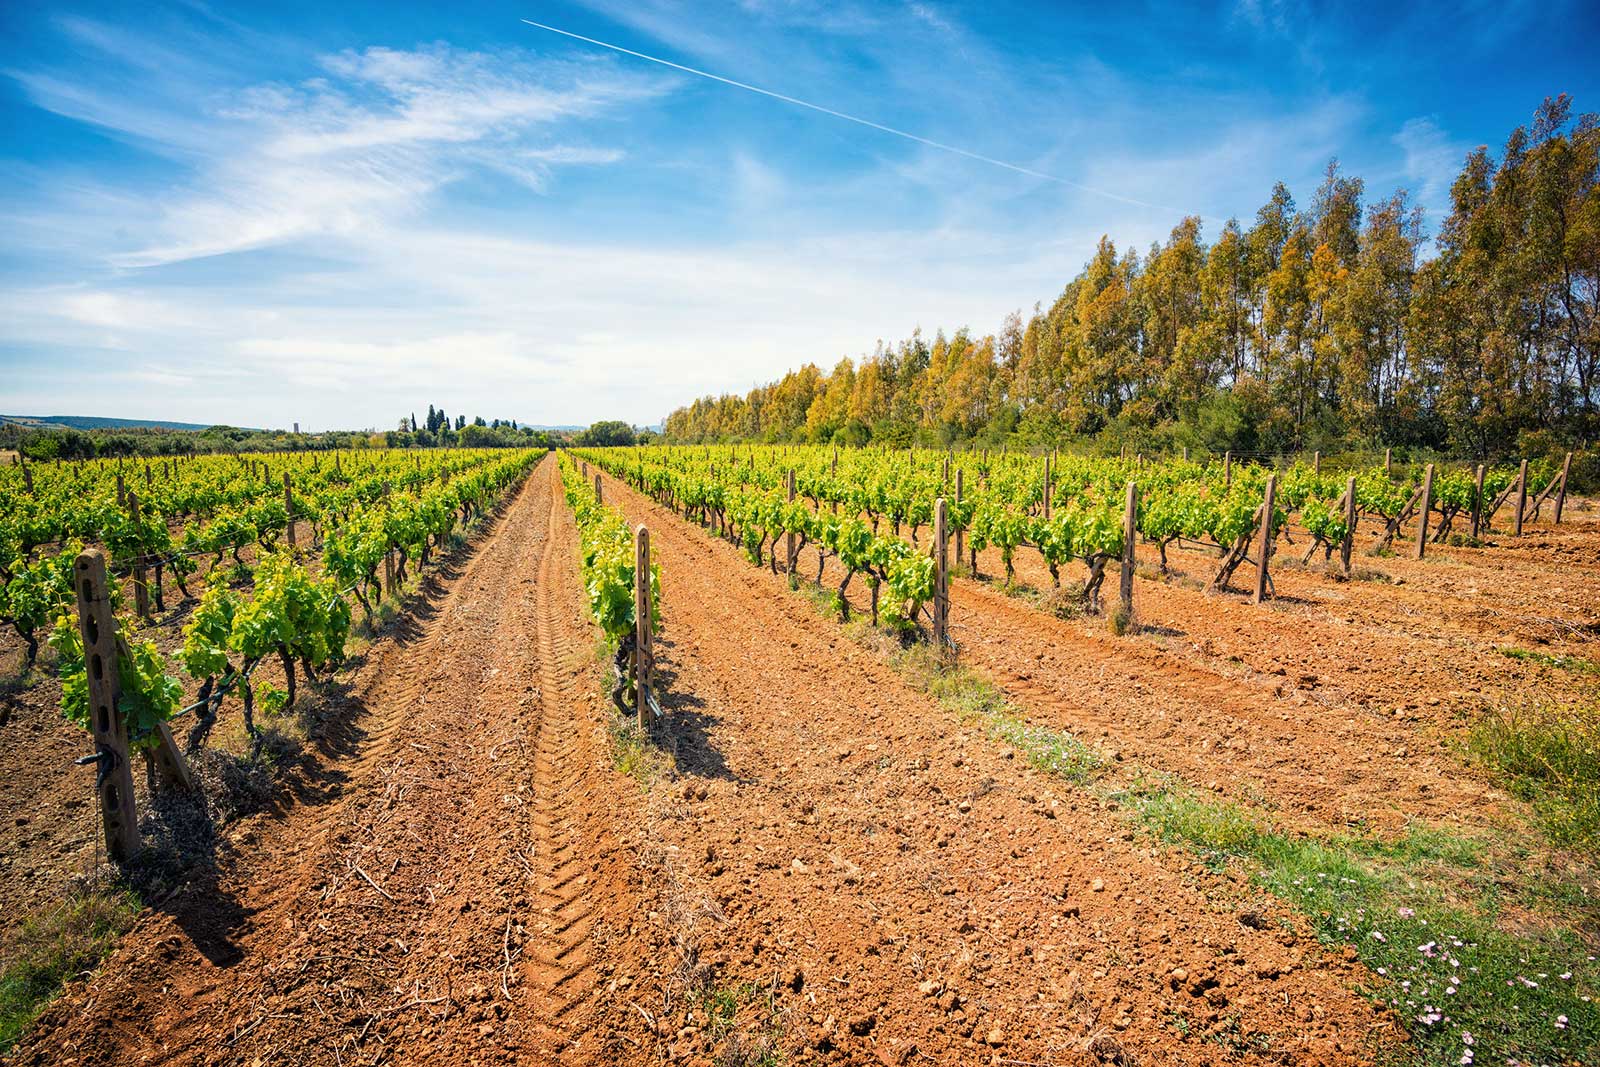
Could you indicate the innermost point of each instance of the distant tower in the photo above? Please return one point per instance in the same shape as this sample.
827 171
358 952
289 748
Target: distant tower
297 427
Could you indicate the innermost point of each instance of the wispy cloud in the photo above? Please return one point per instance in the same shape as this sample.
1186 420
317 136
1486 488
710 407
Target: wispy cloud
369 140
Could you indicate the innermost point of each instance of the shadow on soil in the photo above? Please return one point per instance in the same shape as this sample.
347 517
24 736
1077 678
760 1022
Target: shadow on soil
186 844
688 730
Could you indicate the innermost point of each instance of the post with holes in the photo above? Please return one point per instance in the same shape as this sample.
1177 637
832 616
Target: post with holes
643 654
1350 514
114 781
1427 502
141 588
961 532
1264 543
941 577
1477 502
1227 468
1561 494
789 550
288 506
1130 532
1522 499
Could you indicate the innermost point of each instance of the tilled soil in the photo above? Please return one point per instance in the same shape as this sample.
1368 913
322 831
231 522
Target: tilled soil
50 834
910 891
832 864
437 903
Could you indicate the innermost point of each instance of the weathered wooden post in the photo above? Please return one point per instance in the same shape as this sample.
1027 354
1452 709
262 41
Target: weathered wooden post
1477 502
598 499
941 577
1427 502
642 653
122 492
114 780
1047 487
1350 514
1561 494
789 551
149 479
141 590
1388 462
1130 532
288 506
1522 499
1227 468
1264 547
961 531
27 477
1186 453
1316 462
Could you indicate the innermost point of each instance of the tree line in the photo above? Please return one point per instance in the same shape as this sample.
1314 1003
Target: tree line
1316 326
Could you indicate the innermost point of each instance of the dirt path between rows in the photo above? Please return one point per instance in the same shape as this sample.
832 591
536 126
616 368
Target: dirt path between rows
439 902
890 886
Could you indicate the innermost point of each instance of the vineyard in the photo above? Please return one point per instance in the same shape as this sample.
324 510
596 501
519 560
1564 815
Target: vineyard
767 754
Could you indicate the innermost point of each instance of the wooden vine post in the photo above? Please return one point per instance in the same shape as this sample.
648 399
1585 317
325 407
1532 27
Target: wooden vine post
1388 462
1264 545
1130 532
288 506
1422 510
598 499
1477 502
941 577
1561 494
114 781
1316 462
1047 487
1350 514
789 551
27 478
643 656
141 588
961 532
1522 499
1227 468
1186 453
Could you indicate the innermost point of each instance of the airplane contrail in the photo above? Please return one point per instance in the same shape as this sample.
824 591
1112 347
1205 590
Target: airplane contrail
1030 172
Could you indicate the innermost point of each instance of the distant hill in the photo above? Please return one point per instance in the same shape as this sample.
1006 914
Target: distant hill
93 422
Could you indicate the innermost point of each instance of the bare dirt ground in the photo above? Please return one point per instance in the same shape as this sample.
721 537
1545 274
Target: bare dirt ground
1338 704
50 834
435 900
830 863
912 891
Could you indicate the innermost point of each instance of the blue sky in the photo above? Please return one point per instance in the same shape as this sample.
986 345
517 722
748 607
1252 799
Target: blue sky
337 213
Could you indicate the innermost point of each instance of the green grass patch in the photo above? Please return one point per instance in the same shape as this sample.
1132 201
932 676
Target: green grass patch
1550 757
1545 659
1054 752
54 947
1464 988
744 1022
633 753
